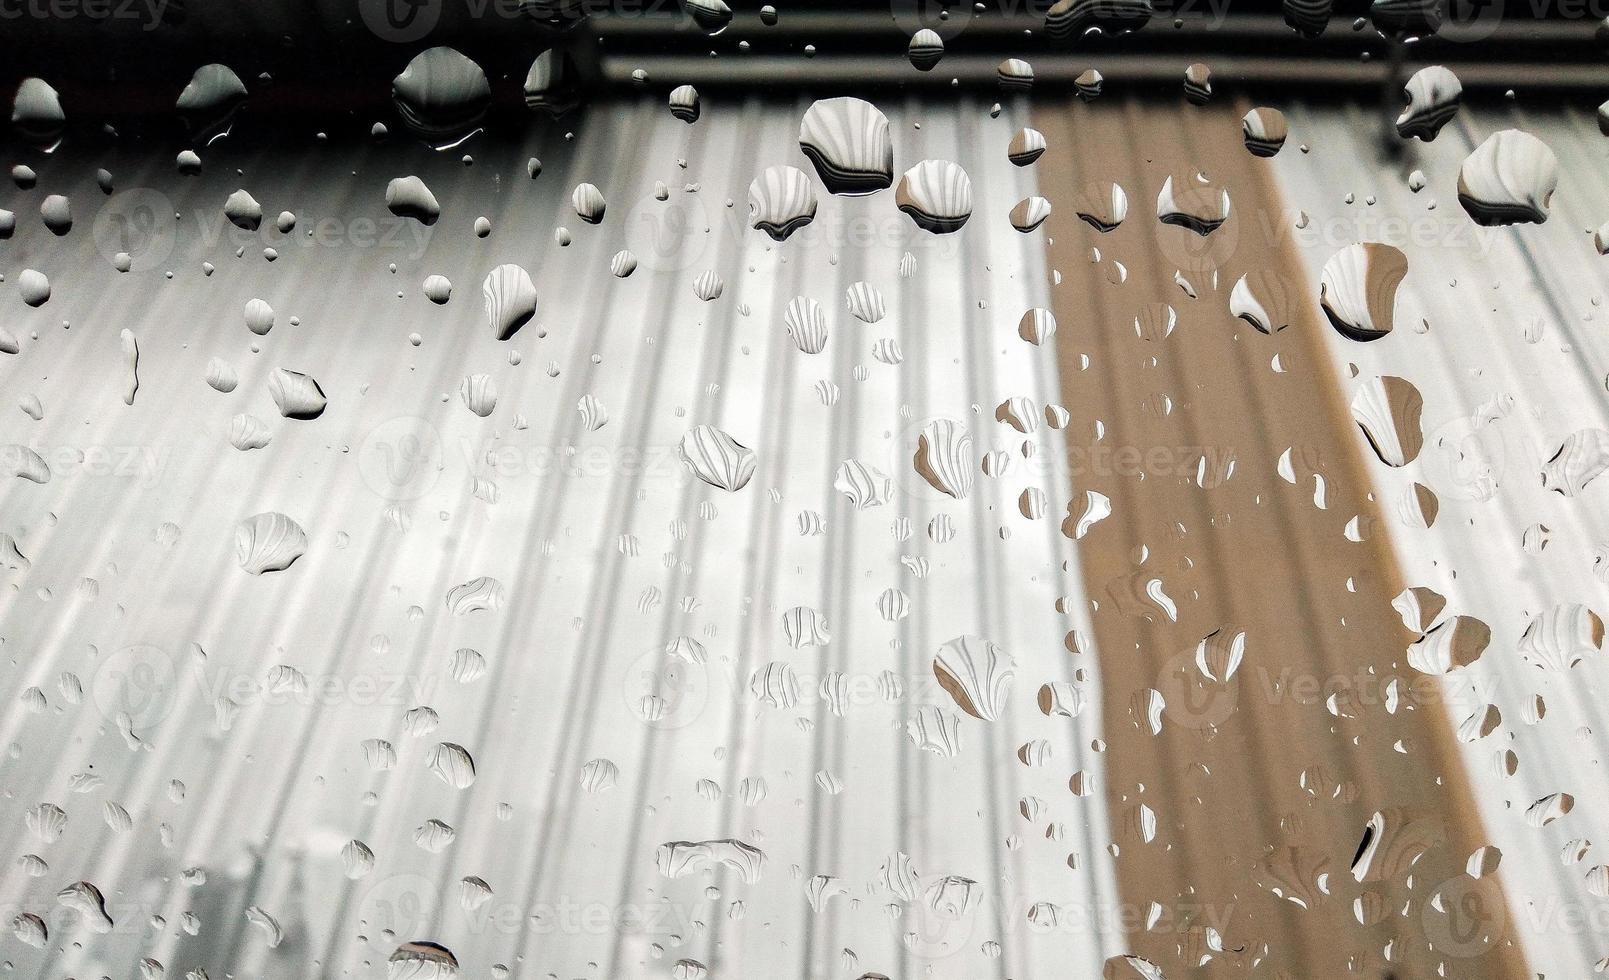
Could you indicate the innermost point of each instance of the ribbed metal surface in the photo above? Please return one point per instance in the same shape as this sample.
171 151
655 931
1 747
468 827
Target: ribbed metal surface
144 500
581 639
1262 771
1497 406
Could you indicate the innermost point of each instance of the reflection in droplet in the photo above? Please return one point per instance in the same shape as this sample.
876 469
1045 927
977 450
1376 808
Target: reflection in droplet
1508 179
1580 458
1358 289
937 194
297 395
1025 147
717 459
209 102
441 96
1387 409
1072 18
925 49
1192 203
678 859
684 103
976 673
408 197
848 141
1433 97
1264 131
509 297
944 457
781 201
421 960
269 542
37 115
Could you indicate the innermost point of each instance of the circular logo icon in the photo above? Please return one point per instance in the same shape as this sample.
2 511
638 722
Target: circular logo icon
138 681
1465 917
665 692
1194 254
931 933
400 21
135 229
1466 21
401 458
403 905
1192 700
670 235
940 450
1465 457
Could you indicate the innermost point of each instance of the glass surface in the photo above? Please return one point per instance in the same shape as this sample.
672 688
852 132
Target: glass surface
584 490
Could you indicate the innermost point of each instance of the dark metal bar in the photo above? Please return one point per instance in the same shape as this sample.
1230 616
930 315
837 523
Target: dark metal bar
1059 71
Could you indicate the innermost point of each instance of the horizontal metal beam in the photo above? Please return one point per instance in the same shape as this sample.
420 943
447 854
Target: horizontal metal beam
815 25
1059 71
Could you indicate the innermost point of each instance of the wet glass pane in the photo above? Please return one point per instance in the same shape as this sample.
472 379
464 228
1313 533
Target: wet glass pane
578 490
